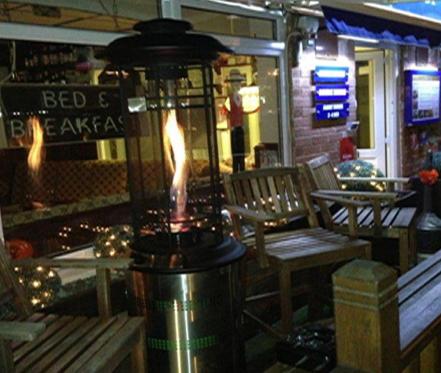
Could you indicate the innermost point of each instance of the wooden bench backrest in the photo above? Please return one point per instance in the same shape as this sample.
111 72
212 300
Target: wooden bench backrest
322 173
419 294
403 316
276 191
11 292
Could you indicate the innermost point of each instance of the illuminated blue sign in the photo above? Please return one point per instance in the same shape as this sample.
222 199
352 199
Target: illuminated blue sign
331 74
332 92
332 111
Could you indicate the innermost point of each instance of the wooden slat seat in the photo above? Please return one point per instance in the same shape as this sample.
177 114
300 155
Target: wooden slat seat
373 212
268 196
305 248
390 217
419 294
74 344
56 343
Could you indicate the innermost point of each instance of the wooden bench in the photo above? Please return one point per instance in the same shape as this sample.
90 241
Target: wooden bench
269 196
388 325
52 343
373 212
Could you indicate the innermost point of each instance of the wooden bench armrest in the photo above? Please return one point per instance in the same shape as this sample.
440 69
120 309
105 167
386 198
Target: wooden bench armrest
363 195
342 201
255 216
20 330
263 216
400 180
104 263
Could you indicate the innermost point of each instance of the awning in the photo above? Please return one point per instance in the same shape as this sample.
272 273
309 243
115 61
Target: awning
383 23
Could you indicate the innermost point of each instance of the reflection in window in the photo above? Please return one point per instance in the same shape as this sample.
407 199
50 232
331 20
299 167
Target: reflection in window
364 91
102 15
58 195
247 112
63 175
229 24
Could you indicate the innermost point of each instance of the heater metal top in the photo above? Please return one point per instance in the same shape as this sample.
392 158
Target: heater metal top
164 42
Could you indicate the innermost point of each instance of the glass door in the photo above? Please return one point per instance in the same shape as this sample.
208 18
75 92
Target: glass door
370 88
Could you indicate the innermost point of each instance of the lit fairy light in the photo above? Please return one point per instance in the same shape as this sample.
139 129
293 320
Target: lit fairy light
41 284
113 242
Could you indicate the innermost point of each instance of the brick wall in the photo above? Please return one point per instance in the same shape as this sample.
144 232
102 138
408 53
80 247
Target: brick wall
311 138
412 157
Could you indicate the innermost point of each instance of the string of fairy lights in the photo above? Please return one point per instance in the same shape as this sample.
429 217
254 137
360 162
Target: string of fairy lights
359 168
42 284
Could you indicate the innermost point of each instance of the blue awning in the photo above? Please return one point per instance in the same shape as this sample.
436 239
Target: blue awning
354 24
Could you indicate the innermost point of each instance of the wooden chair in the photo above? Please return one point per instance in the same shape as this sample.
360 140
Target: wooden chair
373 213
268 196
50 343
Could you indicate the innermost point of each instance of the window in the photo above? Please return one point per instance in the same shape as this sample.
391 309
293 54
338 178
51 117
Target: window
229 24
58 193
102 15
255 78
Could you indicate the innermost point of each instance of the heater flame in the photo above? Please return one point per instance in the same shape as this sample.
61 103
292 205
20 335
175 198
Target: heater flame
35 155
176 155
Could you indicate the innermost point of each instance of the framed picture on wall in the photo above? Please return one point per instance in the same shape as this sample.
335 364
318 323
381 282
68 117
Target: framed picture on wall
423 95
266 155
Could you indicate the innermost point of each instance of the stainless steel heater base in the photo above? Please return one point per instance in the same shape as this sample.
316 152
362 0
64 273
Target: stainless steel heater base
192 319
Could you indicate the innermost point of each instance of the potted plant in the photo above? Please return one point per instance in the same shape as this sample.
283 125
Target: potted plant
429 224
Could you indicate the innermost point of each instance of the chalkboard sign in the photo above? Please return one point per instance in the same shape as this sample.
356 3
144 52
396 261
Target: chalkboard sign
67 113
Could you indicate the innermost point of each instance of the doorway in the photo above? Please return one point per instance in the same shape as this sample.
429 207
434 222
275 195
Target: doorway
371 106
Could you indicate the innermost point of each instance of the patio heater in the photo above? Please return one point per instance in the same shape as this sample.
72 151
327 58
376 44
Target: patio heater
186 279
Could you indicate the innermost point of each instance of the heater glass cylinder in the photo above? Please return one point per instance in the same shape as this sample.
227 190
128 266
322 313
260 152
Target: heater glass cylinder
170 130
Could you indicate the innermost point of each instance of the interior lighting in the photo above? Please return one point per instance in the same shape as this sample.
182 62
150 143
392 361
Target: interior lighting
358 38
422 67
277 45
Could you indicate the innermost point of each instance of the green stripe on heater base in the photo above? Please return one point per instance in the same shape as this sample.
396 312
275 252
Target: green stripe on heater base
189 344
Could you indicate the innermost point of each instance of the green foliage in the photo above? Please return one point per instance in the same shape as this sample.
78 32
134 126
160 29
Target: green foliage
360 168
436 162
41 284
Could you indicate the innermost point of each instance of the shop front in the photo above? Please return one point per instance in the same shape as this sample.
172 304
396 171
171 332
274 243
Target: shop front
390 46
64 182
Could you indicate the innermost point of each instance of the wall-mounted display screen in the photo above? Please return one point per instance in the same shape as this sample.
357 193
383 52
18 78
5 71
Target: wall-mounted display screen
422 105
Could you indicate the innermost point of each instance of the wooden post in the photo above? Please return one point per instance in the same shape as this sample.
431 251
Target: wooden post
139 353
404 249
366 317
6 357
430 358
352 223
103 292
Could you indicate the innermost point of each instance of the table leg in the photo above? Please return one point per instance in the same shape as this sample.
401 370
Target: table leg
404 250
285 300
